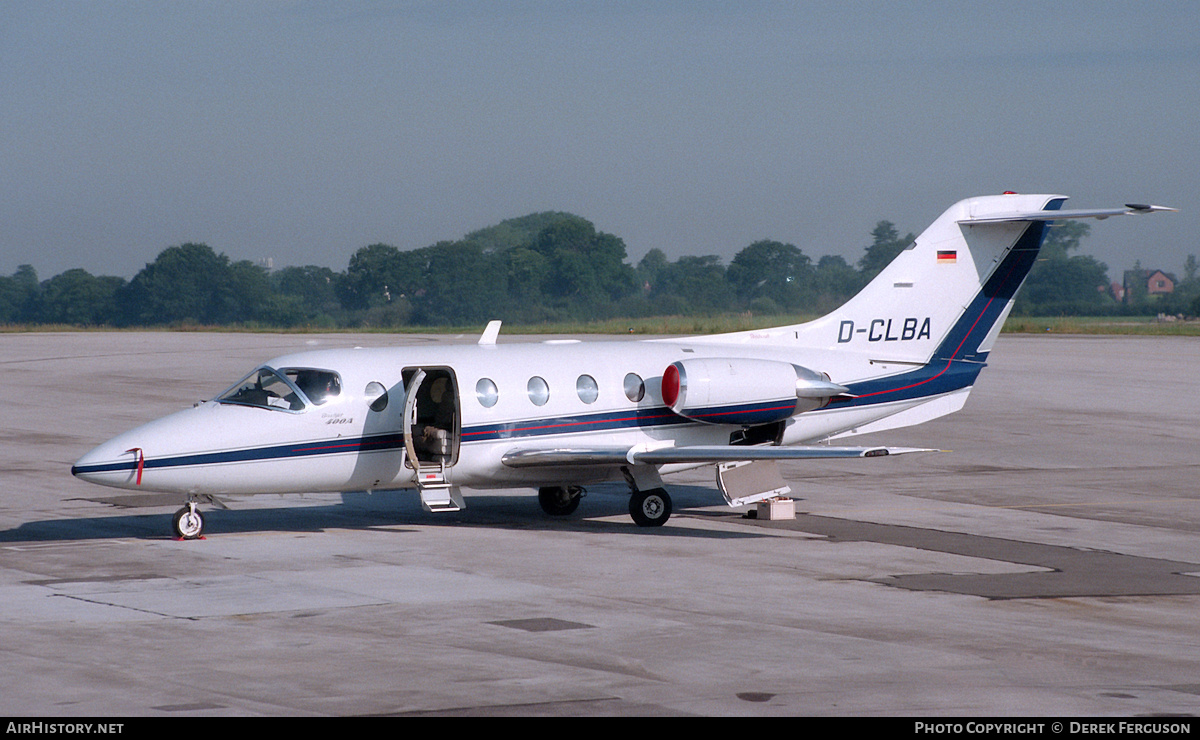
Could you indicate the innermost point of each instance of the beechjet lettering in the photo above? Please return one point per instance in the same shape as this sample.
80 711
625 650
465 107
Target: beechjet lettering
557 416
880 330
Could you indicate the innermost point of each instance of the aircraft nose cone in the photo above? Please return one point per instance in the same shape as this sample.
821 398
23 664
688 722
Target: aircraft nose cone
110 464
124 460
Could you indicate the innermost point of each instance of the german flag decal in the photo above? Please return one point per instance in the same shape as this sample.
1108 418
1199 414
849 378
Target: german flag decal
947 256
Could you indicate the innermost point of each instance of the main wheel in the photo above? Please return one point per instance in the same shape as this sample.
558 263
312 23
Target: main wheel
559 500
650 508
188 523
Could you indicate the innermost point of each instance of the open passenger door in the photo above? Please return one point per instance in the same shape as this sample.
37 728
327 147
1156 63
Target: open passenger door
432 428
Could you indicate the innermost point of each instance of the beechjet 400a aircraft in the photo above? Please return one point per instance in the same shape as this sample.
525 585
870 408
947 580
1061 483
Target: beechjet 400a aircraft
557 415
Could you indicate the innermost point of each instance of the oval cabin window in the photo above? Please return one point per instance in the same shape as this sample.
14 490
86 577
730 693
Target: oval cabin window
635 389
539 391
487 393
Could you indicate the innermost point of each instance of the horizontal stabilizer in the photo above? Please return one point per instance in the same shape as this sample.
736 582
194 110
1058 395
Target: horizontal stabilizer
533 458
1130 209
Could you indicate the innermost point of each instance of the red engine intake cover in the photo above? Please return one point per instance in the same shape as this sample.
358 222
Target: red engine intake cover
670 385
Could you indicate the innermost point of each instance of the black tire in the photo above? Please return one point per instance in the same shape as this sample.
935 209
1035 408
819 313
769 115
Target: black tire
650 508
188 524
558 500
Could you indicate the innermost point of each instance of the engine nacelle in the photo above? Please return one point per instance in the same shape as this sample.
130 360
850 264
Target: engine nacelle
743 391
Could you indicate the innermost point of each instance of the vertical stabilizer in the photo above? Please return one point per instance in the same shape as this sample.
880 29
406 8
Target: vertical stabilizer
948 293
945 296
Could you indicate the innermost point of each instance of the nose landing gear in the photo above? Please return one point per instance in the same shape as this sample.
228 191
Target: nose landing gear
188 522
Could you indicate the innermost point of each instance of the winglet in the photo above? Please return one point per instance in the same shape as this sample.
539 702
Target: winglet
490 333
1143 208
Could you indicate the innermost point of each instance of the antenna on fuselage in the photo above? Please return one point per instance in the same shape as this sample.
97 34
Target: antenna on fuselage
490 333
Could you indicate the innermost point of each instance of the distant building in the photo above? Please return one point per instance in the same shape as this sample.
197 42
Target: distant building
1148 283
1160 282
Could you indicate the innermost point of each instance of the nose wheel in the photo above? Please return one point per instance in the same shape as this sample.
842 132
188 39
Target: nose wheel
188 522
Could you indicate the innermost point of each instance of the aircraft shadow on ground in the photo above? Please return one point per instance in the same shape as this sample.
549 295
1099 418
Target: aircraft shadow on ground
379 509
1058 571
1062 571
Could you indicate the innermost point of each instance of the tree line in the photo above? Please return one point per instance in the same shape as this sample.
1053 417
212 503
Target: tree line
544 267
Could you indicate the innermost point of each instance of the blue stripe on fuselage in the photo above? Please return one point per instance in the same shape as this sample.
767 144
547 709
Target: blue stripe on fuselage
254 454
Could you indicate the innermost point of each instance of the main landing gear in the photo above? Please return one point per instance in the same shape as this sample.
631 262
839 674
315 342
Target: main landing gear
650 508
649 502
560 500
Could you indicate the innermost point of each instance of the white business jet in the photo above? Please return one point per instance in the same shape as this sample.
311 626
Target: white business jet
558 415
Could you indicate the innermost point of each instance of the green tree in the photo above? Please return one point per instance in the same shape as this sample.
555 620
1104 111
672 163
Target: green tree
587 268
77 297
1065 286
692 285
20 296
650 268
1063 238
885 245
245 293
8 302
1062 283
381 273
192 283
462 285
836 281
526 271
775 271
516 232
304 295
181 284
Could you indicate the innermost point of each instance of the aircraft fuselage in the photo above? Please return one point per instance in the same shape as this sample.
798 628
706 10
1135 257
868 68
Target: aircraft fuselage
595 394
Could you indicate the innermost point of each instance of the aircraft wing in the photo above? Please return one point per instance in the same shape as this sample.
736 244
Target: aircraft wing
650 455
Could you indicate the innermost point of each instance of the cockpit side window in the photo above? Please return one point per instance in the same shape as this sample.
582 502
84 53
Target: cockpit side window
317 385
264 388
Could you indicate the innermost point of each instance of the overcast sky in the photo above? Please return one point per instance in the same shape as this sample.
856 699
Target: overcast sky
302 131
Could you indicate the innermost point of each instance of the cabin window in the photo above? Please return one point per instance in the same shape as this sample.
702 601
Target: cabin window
317 386
264 388
486 392
376 395
539 391
587 389
635 389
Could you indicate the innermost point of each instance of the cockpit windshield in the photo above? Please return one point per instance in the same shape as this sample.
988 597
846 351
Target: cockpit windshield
317 385
266 389
289 389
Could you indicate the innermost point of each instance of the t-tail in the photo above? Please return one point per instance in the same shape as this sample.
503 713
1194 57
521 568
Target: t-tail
946 296
910 344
